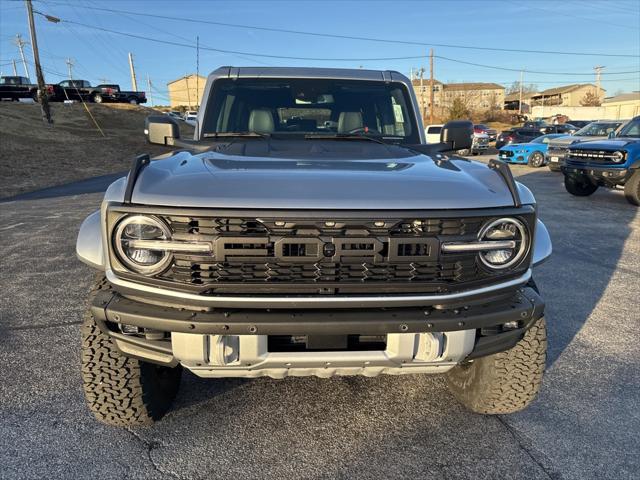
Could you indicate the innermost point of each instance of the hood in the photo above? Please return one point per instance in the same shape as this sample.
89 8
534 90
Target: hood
568 140
291 180
613 144
516 146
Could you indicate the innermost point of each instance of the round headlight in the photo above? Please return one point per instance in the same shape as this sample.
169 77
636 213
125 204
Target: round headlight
618 156
129 243
501 230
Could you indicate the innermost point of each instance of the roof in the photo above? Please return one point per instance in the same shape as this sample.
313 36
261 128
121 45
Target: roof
565 89
515 96
473 86
624 97
189 75
309 72
416 82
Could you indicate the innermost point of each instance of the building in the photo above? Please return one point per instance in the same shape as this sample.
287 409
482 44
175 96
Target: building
186 91
421 87
512 101
476 96
567 95
624 106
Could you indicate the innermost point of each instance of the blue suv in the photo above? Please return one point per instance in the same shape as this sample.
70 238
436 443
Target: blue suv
608 163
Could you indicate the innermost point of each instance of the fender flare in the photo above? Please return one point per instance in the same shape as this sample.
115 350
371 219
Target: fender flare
542 247
89 248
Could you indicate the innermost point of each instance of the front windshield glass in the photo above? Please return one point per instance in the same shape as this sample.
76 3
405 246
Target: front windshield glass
308 107
631 129
597 129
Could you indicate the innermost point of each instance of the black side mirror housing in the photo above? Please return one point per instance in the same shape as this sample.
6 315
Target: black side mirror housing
457 135
161 130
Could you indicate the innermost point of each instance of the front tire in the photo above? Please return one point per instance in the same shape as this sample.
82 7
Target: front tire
505 382
536 160
579 185
119 390
632 189
97 98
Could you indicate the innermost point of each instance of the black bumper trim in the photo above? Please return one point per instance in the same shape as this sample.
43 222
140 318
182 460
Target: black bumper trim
522 306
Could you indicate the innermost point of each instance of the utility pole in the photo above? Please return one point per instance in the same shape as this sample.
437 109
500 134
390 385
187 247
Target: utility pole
149 88
431 93
520 99
186 79
15 70
198 72
20 44
42 95
134 84
598 70
69 63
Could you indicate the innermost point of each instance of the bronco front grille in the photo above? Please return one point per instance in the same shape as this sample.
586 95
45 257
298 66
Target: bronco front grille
322 254
590 156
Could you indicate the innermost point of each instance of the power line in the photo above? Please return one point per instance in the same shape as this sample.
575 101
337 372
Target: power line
530 71
348 37
288 57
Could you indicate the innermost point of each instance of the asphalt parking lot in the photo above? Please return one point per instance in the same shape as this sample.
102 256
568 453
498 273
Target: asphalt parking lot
584 424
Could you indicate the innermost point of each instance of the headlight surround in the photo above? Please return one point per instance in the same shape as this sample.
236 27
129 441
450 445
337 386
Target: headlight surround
618 156
504 229
141 260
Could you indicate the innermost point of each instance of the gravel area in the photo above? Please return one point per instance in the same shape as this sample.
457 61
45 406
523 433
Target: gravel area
584 425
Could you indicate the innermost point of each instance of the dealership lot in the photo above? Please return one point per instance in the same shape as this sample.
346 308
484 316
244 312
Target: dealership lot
584 424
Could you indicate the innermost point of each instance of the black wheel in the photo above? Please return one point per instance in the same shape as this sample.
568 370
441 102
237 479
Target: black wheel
504 382
579 185
632 189
464 152
536 160
97 98
122 391
133 101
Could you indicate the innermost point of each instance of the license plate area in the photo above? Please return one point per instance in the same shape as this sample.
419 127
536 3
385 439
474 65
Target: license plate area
315 343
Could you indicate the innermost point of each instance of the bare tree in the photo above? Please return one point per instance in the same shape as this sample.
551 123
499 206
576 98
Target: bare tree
526 88
590 99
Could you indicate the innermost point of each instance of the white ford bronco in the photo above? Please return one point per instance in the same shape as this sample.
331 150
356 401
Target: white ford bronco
308 229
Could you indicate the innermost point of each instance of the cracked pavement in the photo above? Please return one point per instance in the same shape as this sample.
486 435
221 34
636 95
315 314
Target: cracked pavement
584 425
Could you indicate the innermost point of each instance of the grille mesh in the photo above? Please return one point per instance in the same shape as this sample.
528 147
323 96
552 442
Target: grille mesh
265 267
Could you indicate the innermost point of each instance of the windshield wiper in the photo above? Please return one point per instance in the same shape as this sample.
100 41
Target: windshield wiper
236 135
347 136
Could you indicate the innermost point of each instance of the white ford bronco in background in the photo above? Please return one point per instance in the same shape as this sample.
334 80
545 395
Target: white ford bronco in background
308 229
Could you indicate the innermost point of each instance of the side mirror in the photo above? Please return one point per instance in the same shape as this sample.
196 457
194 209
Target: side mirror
161 130
457 135
611 135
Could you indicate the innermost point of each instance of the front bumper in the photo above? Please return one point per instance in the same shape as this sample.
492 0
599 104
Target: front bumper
418 340
604 174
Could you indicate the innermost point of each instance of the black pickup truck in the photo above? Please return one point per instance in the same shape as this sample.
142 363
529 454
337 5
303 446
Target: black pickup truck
82 90
15 88
112 93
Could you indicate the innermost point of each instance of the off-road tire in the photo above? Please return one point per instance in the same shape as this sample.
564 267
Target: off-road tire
536 160
579 185
504 382
632 189
119 390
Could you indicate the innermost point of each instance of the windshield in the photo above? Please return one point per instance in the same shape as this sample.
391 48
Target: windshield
631 129
307 107
597 129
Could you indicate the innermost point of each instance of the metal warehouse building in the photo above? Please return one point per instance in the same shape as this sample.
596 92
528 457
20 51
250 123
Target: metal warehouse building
186 91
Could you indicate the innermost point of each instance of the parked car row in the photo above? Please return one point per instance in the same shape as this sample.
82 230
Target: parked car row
603 153
16 88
